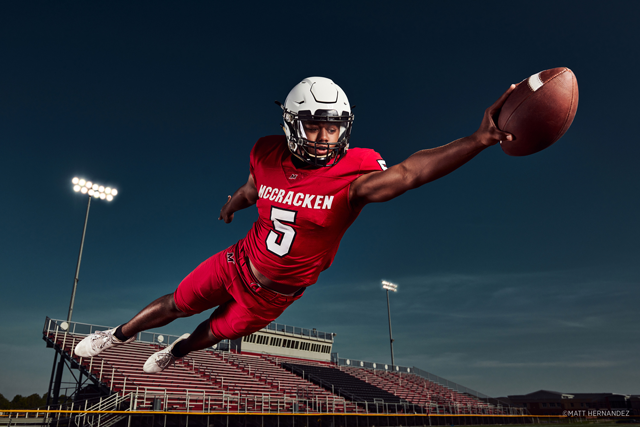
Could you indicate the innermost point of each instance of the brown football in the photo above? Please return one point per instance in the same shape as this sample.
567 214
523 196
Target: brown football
539 111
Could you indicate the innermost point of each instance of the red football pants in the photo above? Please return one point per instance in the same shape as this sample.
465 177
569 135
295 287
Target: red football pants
225 280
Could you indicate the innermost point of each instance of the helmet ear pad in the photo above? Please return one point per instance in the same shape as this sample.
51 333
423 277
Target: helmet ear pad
293 146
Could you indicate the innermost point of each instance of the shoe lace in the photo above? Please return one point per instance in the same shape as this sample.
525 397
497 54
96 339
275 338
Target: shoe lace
164 359
100 340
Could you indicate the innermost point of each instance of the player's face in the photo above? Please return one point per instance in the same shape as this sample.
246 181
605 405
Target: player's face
321 132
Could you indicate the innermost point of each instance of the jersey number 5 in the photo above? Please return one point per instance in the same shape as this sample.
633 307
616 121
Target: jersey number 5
280 239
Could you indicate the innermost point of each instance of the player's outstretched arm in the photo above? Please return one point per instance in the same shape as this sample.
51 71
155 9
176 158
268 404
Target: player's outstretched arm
245 196
428 165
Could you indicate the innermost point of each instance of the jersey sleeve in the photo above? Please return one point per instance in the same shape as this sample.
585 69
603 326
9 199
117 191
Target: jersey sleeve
372 162
254 158
265 147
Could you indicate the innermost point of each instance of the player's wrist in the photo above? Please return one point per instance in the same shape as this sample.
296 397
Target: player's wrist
482 140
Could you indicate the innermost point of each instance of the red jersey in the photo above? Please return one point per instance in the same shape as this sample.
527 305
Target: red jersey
303 213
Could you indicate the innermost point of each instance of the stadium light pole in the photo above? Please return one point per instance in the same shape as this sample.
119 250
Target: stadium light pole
92 189
98 191
388 286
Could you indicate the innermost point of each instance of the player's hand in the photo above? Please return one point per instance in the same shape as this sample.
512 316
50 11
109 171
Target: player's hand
225 215
488 133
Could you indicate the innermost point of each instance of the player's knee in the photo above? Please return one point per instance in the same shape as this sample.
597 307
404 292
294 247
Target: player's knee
213 338
173 307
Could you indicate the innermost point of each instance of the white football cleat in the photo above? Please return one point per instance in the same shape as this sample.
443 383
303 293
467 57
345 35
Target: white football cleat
97 342
161 360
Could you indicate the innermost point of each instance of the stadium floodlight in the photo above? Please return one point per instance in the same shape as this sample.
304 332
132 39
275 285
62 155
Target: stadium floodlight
388 286
92 189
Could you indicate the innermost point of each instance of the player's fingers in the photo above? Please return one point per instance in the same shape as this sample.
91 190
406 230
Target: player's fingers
504 136
493 111
500 102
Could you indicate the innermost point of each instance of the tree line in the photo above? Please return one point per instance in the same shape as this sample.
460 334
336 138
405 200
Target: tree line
26 402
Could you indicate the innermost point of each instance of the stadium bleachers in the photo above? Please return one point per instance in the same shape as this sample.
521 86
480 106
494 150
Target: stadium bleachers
226 381
210 380
120 367
420 391
344 383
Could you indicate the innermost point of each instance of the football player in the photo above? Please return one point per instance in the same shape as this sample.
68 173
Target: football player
309 187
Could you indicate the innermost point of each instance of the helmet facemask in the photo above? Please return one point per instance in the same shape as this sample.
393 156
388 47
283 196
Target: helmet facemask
307 150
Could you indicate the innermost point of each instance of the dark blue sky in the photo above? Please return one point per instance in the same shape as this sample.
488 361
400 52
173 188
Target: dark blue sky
515 274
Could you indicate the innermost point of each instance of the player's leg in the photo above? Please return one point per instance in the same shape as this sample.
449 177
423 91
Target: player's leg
200 339
159 313
199 291
204 286
252 308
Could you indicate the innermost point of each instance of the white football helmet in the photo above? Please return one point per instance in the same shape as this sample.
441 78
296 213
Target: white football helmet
317 99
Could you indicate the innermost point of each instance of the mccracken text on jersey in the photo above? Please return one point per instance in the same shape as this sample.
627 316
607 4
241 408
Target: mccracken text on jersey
295 199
